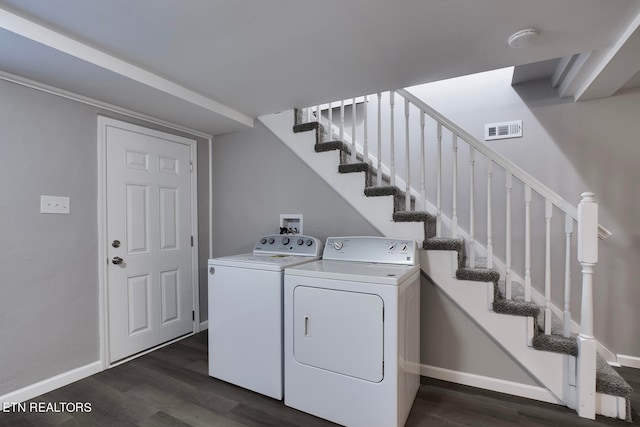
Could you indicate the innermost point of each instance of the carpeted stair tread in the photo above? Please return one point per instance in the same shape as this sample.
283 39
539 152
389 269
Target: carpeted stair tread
308 126
608 381
353 167
305 127
443 244
478 274
413 216
515 308
556 344
385 190
322 147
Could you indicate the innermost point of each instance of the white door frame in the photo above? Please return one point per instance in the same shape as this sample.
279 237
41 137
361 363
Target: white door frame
103 301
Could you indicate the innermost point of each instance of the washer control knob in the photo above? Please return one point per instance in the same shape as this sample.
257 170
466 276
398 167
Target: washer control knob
300 242
271 240
392 247
337 245
309 242
404 247
263 240
285 240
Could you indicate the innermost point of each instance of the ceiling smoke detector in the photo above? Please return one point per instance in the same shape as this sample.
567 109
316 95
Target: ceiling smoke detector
523 38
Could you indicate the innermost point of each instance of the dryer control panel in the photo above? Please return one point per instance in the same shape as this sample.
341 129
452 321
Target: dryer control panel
371 249
288 244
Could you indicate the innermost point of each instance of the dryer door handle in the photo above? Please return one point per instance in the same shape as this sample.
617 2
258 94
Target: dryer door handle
306 326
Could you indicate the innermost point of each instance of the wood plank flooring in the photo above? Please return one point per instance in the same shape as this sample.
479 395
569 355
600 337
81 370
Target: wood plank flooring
171 387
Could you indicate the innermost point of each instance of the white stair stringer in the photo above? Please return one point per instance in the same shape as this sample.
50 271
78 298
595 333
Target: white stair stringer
512 335
350 186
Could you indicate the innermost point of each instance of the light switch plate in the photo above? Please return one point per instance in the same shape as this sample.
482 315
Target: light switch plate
55 204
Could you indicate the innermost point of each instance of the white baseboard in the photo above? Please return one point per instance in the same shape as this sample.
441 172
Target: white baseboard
488 383
204 325
45 386
629 361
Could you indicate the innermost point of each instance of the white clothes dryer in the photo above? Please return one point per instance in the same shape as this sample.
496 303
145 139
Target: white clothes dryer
352 332
245 311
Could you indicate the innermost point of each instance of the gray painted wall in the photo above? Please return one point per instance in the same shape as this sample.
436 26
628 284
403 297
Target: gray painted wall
450 339
49 263
256 178
570 147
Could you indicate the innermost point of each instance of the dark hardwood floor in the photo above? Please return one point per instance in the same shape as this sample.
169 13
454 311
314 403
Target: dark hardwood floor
171 387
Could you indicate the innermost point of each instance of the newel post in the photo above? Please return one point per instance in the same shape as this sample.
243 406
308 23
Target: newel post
587 346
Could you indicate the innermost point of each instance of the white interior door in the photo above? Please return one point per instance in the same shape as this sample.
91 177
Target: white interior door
148 217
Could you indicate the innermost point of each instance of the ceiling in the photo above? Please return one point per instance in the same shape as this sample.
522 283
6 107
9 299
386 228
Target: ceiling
215 65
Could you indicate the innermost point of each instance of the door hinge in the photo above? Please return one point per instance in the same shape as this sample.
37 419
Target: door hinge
191 241
190 166
193 315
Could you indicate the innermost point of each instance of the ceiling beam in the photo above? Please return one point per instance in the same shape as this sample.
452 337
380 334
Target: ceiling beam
600 74
45 36
617 67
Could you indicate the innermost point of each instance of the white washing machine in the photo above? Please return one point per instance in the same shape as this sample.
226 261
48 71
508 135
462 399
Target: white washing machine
352 332
245 311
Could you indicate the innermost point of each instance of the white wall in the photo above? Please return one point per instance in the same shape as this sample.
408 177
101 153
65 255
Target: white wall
570 147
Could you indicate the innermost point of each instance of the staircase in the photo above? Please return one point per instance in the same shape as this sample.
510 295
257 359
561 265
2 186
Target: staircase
483 281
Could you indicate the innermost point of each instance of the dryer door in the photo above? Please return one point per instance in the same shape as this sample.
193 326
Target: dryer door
339 331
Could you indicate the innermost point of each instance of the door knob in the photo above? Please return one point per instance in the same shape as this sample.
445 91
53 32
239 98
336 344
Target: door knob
117 260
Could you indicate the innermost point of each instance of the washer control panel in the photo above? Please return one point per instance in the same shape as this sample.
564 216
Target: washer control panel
289 244
371 249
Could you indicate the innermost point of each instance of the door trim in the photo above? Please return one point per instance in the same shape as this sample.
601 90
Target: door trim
103 300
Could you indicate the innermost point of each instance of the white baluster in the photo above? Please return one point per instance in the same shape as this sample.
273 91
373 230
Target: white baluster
472 226
308 115
454 216
407 187
548 213
353 130
507 274
342 120
318 113
568 229
439 184
587 345
423 168
330 117
392 160
489 215
379 177
527 243
365 143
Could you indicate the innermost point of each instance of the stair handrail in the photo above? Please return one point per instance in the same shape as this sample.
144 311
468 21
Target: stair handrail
508 165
